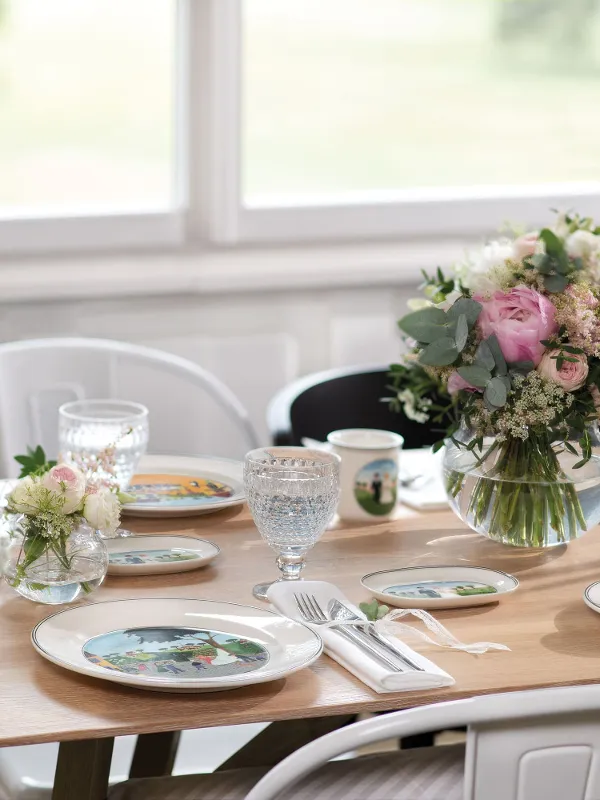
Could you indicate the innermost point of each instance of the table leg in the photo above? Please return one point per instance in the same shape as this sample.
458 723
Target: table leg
154 754
281 739
83 769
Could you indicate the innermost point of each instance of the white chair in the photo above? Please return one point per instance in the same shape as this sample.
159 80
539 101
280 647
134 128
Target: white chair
535 745
191 411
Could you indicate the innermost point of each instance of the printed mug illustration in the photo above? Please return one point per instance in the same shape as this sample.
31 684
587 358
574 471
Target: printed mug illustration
186 653
439 589
177 490
151 557
376 486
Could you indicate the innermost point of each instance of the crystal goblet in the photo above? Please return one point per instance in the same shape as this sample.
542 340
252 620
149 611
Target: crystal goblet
292 493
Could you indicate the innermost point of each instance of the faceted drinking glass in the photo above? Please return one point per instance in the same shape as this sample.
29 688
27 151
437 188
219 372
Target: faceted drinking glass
104 438
292 493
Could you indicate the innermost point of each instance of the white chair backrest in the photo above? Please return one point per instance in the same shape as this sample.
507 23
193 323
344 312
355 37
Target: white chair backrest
191 411
536 745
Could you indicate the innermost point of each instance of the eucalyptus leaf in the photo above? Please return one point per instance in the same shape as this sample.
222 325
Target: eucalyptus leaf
537 260
553 244
522 366
476 376
440 353
484 357
495 392
464 305
462 332
499 360
425 325
555 283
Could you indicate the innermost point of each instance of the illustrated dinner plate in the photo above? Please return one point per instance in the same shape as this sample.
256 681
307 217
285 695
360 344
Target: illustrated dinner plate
146 555
176 644
439 587
591 596
181 486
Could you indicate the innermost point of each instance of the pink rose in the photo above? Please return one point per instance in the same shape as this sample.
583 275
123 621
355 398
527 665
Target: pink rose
456 383
68 484
520 319
570 376
526 245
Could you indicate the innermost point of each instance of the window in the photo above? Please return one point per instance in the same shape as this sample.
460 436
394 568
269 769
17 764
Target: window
137 122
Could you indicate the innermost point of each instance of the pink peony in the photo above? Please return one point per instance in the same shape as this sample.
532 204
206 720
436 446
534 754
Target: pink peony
520 319
526 245
456 383
570 376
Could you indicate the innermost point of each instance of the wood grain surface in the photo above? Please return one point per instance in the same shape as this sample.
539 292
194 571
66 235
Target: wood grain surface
554 638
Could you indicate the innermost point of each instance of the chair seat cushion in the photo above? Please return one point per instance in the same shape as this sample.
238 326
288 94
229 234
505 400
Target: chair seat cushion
428 773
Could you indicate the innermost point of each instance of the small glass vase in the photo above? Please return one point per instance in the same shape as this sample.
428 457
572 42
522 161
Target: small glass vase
524 492
58 575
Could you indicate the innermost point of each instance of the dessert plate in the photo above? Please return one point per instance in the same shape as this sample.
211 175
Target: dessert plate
176 644
147 555
591 596
180 486
439 586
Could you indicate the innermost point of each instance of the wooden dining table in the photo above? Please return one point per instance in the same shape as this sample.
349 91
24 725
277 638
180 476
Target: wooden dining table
554 640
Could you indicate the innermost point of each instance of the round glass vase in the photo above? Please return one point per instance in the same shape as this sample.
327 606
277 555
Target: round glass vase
62 572
531 492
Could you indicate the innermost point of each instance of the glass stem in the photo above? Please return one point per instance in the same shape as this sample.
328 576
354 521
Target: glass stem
290 566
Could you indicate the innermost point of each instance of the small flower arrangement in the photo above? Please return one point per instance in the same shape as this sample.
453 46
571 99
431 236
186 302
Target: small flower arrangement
513 340
54 499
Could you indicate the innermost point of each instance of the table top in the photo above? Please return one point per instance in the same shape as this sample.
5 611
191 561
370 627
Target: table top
554 638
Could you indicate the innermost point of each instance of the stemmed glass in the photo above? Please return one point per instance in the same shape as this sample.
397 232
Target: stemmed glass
292 493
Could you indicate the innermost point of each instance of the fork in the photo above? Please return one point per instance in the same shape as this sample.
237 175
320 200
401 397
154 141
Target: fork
311 612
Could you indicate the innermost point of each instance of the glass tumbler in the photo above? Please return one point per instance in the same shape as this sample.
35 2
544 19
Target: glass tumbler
104 438
292 493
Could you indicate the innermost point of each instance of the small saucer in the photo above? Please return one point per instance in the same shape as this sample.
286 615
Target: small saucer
591 596
439 586
148 555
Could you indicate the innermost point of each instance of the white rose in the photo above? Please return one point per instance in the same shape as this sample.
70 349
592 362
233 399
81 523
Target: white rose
68 484
480 273
582 244
561 226
102 510
21 499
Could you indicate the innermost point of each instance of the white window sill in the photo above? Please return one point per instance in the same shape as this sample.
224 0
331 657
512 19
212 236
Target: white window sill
223 272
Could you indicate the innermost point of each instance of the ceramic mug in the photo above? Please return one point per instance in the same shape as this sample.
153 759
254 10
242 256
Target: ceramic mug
368 473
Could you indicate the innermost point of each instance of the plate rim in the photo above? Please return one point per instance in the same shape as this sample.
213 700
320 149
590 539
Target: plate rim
215 683
587 599
187 510
515 586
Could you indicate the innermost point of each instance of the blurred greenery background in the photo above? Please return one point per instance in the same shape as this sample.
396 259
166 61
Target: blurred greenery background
339 96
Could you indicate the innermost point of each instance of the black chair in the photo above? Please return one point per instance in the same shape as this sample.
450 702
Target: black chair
351 397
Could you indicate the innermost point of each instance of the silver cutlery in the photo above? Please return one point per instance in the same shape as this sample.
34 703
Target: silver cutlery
311 611
341 612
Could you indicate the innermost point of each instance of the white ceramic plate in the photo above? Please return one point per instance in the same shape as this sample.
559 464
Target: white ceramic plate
176 644
439 587
591 596
147 555
181 486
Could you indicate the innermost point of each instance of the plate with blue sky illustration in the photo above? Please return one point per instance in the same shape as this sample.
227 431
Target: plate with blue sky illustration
439 586
150 554
176 644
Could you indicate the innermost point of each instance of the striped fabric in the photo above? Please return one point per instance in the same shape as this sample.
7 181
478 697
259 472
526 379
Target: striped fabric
428 773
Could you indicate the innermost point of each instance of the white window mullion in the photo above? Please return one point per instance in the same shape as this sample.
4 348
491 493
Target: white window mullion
213 119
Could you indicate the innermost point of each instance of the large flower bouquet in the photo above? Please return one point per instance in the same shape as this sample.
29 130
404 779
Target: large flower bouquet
51 501
513 339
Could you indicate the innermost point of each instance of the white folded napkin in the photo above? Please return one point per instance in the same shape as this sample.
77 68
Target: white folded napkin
427 493
351 656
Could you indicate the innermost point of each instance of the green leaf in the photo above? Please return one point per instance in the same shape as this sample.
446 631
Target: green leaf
440 353
495 392
437 446
499 360
462 332
553 244
570 448
522 366
555 283
464 305
39 455
476 376
369 610
484 357
425 325
537 260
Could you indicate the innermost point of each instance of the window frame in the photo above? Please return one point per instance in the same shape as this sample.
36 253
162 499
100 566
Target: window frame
209 210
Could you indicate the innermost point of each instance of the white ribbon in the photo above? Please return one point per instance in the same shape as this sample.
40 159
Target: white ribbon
443 637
